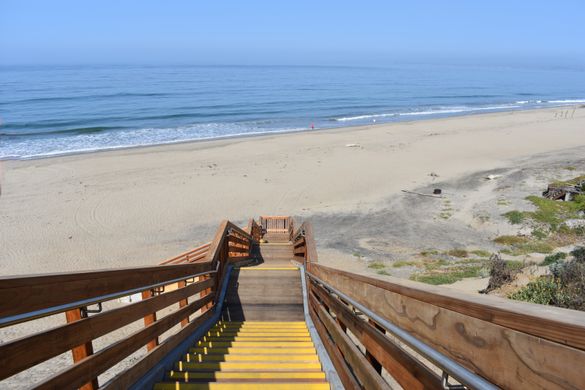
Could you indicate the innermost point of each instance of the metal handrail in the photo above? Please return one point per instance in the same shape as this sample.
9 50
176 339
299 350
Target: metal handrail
16 319
454 369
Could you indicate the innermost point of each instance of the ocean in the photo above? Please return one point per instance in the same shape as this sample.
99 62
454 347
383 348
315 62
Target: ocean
54 110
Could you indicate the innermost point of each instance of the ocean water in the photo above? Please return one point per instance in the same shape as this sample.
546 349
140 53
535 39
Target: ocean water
47 111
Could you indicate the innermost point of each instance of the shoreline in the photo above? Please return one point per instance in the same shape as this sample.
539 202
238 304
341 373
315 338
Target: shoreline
235 137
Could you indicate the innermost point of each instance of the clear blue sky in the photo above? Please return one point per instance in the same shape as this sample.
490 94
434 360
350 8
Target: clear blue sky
293 32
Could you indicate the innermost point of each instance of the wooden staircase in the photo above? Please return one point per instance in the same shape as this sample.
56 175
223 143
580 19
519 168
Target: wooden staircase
234 319
262 341
250 355
269 289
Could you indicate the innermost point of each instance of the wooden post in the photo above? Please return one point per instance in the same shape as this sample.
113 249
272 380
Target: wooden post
149 319
183 303
81 351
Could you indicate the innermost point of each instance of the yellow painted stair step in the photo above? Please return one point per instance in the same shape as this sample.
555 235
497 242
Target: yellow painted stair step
261 335
241 386
186 375
258 331
261 327
251 358
258 334
280 344
245 366
269 269
263 324
252 350
254 338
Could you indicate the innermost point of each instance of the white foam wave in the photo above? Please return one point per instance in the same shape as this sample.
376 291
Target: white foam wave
88 143
435 111
358 117
567 101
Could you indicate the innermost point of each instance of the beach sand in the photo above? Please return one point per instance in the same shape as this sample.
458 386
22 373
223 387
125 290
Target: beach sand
139 206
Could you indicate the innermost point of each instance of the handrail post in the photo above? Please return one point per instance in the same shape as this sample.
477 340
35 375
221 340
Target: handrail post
148 320
183 303
81 351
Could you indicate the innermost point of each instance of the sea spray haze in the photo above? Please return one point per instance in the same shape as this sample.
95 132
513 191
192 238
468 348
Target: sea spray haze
54 110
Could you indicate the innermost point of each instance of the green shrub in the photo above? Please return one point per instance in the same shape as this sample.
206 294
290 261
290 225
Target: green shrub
399 264
564 289
435 264
579 254
539 234
383 272
535 247
510 240
514 265
435 279
550 259
515 217
545 291
571 182
522 245
481 253
458 253
447 276
553 212
376 265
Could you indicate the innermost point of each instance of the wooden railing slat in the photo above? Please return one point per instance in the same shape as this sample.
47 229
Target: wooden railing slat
192 253
99 362
341 367
128 377
236 240
407 371
360 366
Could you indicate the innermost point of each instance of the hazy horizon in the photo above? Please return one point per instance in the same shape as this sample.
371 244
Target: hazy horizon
331 33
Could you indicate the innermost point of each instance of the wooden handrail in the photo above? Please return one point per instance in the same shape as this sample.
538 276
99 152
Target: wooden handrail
511 344
254 230
189 280
29 294
20 354
304 247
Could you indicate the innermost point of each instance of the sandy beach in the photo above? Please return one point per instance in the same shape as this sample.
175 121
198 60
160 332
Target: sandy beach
140 206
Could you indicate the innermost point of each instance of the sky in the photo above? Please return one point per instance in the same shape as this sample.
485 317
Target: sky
291 33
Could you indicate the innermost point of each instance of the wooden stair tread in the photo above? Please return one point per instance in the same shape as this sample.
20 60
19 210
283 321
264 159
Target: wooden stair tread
250 355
